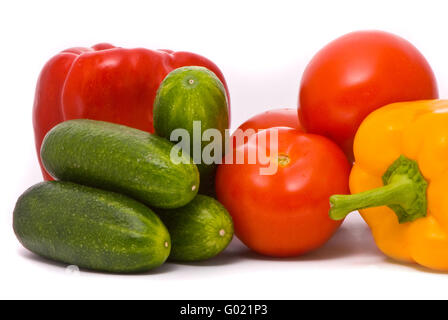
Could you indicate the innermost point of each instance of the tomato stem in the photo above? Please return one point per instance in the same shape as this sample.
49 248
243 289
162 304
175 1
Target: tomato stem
283 160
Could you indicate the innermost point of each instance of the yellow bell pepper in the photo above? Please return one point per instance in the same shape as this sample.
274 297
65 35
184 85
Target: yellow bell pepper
399 181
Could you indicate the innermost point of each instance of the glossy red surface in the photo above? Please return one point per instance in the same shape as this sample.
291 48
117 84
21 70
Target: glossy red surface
105 83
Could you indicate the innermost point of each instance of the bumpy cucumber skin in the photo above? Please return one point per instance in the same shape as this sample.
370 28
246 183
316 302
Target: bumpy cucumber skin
90 228
121 159
190 94
199 231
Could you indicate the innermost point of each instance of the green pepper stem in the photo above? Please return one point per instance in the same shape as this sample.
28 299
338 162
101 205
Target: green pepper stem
395 193
404 191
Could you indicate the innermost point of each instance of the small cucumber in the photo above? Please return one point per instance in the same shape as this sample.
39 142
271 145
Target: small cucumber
90 228
200 230
121 159
189 94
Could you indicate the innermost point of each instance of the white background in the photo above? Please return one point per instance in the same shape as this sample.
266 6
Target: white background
262 49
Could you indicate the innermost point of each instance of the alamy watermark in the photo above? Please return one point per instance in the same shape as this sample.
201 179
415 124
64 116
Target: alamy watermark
262 149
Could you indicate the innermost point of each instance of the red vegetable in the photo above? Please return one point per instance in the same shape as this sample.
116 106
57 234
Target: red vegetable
285 117
284 214
105 83
356 74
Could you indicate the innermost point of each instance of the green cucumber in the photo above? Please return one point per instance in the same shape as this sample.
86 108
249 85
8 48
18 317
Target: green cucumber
200 230
121 159
90 228
190 94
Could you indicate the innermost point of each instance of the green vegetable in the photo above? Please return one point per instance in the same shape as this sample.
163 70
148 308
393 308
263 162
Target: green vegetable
90 228
200 230
121 159
190 94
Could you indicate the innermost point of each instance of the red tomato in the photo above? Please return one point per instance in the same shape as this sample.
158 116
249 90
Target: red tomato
356 74
285 117
284 214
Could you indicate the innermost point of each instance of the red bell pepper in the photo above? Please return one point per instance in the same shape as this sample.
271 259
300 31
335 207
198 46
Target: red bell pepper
105 83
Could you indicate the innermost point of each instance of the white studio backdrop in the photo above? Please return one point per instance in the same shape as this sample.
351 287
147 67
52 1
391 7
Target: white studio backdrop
262 47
